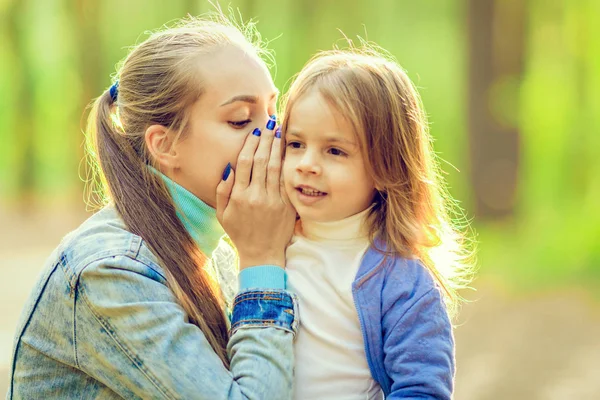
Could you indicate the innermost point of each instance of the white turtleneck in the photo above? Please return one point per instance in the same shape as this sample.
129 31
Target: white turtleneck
321 262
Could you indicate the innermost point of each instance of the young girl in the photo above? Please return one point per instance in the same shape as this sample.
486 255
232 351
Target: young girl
125 307
375 260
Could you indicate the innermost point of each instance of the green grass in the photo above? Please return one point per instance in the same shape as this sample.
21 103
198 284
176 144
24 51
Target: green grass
540 255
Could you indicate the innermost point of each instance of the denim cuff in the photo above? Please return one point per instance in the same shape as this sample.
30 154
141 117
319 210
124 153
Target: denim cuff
265 308
262 277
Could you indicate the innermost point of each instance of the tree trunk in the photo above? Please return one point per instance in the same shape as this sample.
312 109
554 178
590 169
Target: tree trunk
496 36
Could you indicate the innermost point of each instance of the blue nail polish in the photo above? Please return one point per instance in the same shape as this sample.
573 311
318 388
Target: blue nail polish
256 132
227 171
274 117
271 124
278 133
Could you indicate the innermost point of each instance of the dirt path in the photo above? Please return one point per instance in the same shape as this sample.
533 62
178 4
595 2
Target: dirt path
541 347
545 346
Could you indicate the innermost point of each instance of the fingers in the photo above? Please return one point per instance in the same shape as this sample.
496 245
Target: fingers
274 165
245 160
261 157
224 191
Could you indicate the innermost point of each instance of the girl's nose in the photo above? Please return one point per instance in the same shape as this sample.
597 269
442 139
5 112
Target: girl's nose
309 164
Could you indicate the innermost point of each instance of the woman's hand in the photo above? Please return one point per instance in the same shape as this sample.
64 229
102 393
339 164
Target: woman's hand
252 205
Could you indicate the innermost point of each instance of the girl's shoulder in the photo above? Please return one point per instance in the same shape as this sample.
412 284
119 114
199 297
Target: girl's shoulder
410 270
402 286
395 268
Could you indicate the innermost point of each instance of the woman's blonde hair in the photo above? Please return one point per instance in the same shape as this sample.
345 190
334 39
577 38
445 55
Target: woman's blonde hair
157 83
412 214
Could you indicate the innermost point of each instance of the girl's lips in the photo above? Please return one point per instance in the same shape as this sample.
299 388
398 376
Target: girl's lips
307 199
309 188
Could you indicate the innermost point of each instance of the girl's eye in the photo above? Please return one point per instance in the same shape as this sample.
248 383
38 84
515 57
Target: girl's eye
240 124
294 145
336 152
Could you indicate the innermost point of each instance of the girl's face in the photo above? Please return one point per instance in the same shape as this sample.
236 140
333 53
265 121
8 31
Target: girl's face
239 95
324 170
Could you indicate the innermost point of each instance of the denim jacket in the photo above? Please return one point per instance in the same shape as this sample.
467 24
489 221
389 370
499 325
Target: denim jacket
407 332
101 323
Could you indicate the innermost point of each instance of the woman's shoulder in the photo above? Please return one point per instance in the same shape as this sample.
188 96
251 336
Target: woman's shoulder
103 236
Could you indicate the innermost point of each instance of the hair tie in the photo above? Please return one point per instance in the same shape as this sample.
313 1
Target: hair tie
114 91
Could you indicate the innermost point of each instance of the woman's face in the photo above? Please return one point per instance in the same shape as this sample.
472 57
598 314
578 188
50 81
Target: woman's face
239 95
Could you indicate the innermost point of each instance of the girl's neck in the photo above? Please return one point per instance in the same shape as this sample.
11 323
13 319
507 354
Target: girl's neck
198 218
351 228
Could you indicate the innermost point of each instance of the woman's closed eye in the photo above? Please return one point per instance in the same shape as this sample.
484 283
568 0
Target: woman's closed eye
239 124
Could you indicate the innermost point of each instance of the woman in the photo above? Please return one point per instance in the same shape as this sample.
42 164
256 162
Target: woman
126 306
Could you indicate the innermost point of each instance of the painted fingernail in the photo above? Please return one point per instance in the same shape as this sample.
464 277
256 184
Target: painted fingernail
227 171
278 133
271 124
256 132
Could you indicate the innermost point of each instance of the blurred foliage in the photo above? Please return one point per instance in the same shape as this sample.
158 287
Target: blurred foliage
57 55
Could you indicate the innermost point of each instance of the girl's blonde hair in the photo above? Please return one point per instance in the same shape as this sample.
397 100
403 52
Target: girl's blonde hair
412 214
157 83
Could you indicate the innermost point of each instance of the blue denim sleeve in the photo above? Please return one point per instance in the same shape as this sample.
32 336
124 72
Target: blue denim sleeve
263 277
263 308
133 334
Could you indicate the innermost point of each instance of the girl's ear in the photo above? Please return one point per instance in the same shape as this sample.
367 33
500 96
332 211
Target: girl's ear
378 186
159 141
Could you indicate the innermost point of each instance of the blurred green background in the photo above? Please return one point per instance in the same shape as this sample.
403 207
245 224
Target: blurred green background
512 90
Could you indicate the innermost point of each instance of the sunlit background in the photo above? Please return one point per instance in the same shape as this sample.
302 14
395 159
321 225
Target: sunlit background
512 89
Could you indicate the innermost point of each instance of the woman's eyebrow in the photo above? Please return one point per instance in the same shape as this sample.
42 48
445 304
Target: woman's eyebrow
247 98
242 97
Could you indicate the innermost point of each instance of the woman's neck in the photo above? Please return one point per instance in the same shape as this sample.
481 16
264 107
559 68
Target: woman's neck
198 218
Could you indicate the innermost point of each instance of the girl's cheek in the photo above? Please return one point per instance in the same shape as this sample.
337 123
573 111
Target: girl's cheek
288 164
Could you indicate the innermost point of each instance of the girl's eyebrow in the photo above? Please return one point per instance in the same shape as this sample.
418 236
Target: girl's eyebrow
327 139
340 140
